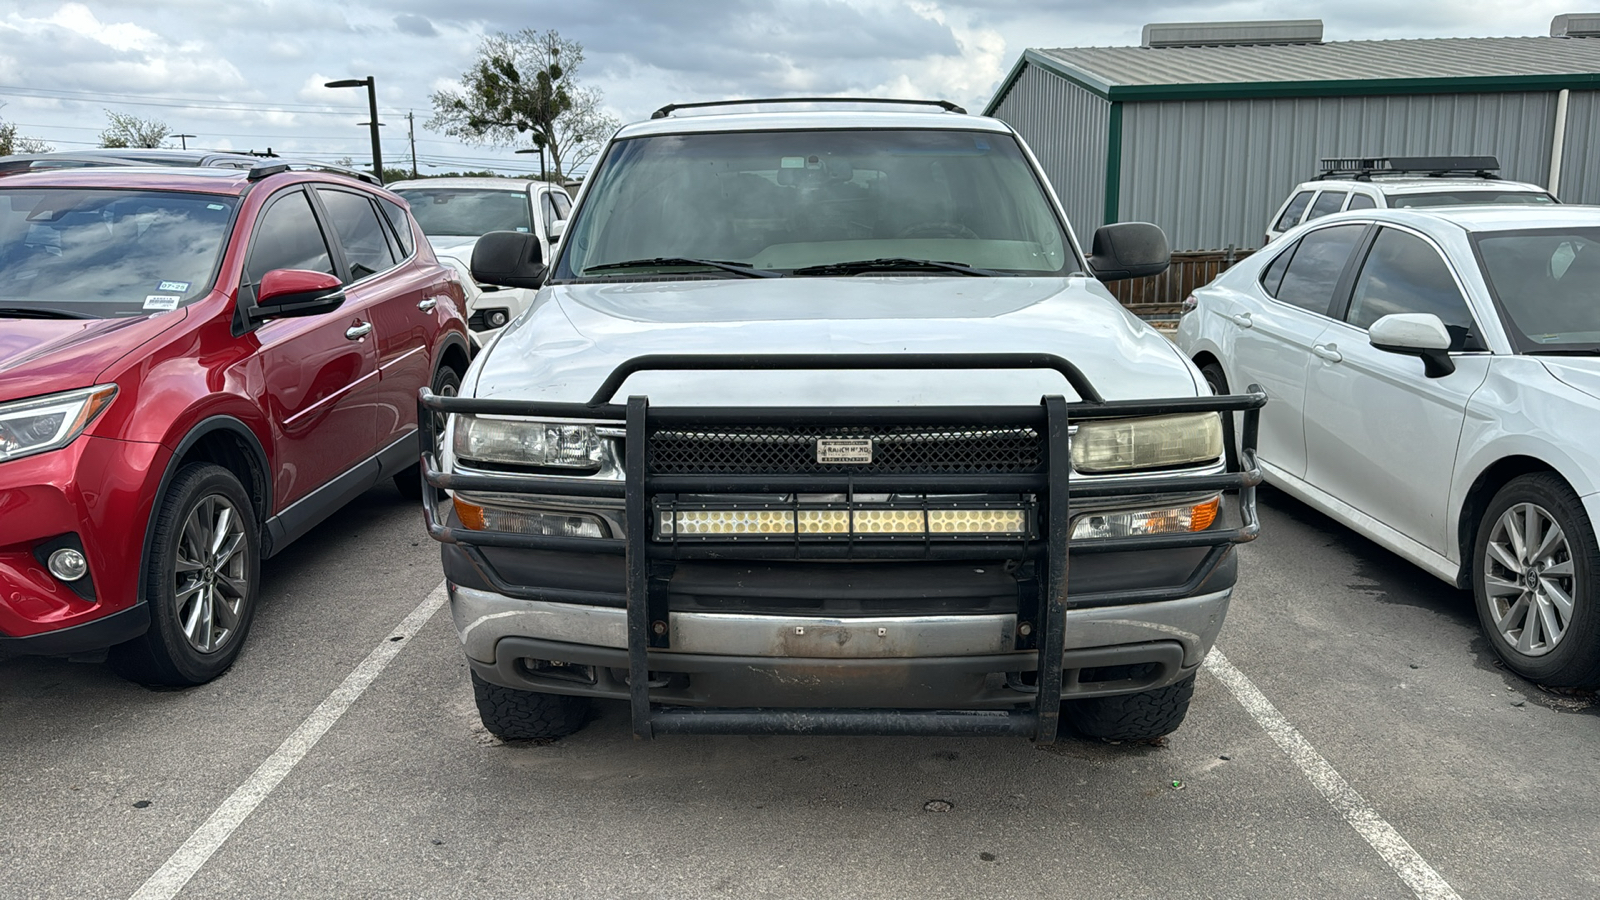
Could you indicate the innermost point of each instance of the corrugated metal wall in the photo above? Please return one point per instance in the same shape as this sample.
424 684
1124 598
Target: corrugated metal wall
1210 172
1066 127
1580 182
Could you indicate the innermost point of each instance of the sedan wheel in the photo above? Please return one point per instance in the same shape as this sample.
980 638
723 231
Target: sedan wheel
1534 582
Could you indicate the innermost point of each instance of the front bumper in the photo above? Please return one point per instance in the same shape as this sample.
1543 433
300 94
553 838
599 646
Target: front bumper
96 492
1011 682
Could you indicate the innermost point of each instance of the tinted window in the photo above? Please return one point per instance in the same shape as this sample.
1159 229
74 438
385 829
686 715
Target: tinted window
1291 213
1404 274
109 253
288 238
1362 201
1547 283
402 225
1313 273
355 221
1273 274
1469 198
1327 202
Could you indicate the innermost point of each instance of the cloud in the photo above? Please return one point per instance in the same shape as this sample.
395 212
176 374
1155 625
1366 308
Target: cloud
410 23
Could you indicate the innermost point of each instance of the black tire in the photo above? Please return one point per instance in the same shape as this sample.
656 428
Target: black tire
514 715
219 599
446 383
1131 717
1572 659
1219 386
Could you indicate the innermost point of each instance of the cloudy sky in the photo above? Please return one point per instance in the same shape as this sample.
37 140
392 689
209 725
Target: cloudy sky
244 74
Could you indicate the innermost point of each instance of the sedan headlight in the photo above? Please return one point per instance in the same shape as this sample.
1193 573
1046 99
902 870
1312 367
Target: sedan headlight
520 442
1119 445
50 423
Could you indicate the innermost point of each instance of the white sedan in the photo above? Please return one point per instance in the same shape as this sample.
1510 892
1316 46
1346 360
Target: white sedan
1434 384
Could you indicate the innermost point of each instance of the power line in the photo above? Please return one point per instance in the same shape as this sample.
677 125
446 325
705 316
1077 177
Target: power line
200 102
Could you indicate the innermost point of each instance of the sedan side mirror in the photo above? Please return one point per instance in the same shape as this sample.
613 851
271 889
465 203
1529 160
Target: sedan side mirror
1415 334
285 293
1129 250
508 259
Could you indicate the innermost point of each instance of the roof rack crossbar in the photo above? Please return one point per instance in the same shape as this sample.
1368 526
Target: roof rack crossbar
1364 167
670 108
279 164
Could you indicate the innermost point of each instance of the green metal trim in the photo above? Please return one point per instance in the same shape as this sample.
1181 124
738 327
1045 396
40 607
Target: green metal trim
1055 67
1356 87
1113 164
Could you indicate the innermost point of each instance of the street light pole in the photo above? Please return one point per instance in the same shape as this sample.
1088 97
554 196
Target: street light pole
372 105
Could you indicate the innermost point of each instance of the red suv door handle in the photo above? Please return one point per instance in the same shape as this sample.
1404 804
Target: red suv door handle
357 332
428 304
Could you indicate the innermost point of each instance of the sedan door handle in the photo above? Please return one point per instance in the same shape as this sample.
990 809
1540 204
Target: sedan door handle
1242 320
428 304
1329 352
357 332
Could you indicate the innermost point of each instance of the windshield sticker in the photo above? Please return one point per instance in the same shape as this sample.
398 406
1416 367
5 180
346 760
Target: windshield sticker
181 287
162 301
215 206
792 162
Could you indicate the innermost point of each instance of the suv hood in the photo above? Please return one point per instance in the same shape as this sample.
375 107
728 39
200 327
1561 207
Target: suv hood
578 334
41 356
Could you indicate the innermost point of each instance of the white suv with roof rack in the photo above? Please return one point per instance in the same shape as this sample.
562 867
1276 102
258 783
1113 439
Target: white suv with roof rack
1401 182
783 447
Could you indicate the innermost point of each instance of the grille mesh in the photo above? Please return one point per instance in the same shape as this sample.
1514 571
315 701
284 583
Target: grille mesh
909 450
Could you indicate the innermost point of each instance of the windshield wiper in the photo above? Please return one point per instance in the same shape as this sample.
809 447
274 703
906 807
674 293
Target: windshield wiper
40 312
892 264
724 265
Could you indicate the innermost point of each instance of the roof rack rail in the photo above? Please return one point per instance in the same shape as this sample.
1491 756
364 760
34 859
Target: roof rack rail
1363 168
279 164
670 108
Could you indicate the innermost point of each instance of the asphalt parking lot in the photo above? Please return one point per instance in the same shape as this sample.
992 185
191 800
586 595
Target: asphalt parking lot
1383 754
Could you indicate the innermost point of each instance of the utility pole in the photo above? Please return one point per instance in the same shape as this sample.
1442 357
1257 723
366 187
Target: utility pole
184 138
411 128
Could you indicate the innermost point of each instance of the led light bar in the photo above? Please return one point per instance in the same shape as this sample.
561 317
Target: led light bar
823 522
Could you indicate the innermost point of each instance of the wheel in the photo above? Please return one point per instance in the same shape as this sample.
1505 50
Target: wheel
936 229
1131 717
1534 567
201 580
1219 386
515 715
446 383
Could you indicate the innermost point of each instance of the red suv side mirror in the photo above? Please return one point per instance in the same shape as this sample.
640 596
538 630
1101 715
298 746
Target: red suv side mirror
295 292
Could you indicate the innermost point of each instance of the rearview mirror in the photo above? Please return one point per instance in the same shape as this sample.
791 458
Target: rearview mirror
1415 334
509 259
284 293
1129 250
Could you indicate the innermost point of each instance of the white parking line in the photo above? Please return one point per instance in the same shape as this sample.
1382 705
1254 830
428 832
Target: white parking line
209 837
1426 883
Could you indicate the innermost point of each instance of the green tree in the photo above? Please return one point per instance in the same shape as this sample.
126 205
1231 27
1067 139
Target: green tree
127 130
12 142
523 90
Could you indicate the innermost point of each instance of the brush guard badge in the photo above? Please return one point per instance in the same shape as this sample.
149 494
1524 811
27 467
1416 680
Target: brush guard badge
835 451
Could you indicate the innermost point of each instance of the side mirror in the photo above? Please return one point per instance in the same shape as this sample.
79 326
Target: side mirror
1415 334
557 229
508 259
1129 250
285 293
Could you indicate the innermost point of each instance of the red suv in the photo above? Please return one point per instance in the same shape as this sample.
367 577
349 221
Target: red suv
195 368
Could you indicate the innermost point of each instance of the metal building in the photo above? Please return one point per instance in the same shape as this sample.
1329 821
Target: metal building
1205 128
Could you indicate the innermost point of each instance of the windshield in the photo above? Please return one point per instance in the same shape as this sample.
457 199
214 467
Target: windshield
468 212
1547 284
787 200
1469 198
105 253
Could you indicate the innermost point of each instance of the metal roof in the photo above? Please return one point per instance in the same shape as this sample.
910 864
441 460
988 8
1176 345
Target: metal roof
1340 68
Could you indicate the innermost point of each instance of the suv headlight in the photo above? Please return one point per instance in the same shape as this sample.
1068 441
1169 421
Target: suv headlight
520 442
1156 442
40 424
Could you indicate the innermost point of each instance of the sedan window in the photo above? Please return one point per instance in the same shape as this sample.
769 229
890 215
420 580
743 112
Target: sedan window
1547 283
1404 274
1319 259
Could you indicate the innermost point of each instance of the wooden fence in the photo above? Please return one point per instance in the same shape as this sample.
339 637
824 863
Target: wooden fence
1160 296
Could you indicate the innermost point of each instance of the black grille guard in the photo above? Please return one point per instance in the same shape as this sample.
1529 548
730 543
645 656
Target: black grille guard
645 597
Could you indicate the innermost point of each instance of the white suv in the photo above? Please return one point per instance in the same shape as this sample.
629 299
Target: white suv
783 447
455 212
1401 182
